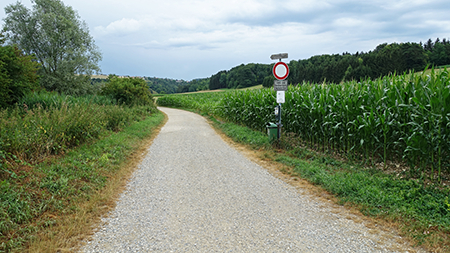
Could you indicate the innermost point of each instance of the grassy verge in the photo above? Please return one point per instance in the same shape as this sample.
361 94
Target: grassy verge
422 213
51 204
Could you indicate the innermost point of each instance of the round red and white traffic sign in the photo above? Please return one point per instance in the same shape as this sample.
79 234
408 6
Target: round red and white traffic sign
280 70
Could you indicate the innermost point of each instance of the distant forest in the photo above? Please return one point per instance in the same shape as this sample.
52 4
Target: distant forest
383 60
170 86
164 85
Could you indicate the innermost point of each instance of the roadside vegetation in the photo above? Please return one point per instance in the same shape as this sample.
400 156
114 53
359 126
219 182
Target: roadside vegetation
57 152
380 145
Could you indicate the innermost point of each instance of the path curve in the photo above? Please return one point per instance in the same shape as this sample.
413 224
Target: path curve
194 193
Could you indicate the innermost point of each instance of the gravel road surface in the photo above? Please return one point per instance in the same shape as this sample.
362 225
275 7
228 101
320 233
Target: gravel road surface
194 193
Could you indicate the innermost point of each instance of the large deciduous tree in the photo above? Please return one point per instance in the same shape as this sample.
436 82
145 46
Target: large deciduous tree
59 39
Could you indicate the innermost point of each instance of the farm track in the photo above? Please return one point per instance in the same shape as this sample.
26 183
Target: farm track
194 193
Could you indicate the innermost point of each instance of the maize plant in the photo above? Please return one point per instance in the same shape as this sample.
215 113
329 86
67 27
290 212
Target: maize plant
396 117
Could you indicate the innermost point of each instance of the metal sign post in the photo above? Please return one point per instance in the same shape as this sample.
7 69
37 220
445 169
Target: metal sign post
278 118
280 72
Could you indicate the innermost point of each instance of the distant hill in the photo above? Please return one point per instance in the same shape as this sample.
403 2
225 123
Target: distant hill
165 85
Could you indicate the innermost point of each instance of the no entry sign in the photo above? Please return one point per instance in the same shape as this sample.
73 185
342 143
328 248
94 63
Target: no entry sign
280 70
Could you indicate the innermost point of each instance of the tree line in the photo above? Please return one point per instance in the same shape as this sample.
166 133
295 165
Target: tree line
170 86
240 77
385 59
194 85
164 85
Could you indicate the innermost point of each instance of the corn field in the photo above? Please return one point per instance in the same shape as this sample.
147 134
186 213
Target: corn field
205 102
402 118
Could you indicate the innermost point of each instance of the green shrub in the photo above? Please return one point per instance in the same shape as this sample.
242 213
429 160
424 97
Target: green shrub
129 91
117 118
268 81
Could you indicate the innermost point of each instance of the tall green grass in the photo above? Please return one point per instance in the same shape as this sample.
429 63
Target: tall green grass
44 123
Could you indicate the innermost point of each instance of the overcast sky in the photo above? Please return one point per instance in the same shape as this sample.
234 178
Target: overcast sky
187 39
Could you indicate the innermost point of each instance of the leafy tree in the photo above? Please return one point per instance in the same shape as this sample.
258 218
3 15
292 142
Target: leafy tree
348 73
17 74
223 80
217 81
60 40
245 77
415 56
429 45
439 56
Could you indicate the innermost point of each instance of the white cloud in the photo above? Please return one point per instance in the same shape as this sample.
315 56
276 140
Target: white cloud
120 27
348 22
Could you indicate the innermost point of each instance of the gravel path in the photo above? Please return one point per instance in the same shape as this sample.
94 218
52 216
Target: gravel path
193 193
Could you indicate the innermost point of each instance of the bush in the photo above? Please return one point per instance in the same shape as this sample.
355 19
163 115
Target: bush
268 81
17 75
129 91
